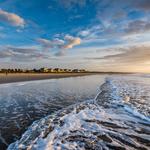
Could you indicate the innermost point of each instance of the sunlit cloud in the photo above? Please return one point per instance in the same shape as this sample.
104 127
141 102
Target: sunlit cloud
11 18
62 45
126 56
71 42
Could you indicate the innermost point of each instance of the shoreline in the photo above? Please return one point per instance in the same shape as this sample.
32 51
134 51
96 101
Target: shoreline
22 77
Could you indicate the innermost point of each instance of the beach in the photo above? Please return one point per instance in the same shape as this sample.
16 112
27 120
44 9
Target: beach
20 77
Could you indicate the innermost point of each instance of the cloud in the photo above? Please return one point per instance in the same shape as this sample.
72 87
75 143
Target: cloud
84 33
61 53
5 54
71 42
144 5
11 18
68 42
48 44
79 16
22 50
127 31
22 54
114 20
92 32
71 3
128 56
45 43
138 26
119 14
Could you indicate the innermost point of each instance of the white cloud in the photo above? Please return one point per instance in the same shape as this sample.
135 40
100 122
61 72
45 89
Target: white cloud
71 42
84 33
11 18
68 42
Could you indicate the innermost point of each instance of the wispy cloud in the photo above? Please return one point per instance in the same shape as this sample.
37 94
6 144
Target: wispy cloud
138 26
62 52
22 54
11 18
130 55
131 30
48 44
71 3
126 58
62 45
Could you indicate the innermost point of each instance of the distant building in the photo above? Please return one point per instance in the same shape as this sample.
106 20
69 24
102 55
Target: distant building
75 70
41 70
58 70
61 70
67 70
44 70
82 70
51 70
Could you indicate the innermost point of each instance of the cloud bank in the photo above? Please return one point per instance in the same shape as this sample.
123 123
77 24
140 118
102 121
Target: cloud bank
128 56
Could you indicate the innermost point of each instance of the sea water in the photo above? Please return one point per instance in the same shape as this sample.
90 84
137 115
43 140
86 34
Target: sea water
24 102
92 112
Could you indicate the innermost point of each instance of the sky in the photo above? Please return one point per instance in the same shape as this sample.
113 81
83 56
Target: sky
96 35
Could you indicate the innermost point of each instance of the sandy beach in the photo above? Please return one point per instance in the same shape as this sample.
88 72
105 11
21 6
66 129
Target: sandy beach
19 77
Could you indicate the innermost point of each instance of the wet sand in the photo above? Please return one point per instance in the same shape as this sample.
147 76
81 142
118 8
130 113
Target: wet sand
19 77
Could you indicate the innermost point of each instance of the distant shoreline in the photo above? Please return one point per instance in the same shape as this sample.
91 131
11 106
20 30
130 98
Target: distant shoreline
21 77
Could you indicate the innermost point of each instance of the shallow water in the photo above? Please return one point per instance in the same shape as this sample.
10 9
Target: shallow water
24 102
118 118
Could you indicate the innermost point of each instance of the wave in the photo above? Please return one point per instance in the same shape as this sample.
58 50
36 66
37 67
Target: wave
107 122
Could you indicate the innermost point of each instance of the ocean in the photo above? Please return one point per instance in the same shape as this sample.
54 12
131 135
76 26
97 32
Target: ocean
79 113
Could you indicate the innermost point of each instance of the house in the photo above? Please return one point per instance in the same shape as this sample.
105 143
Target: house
51 70
82 70
43 70
75 70
57 70
67 70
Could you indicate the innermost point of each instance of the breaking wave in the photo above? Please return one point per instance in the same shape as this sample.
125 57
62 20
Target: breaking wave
118 118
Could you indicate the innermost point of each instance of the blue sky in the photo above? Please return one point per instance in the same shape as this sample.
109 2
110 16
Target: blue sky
103 35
